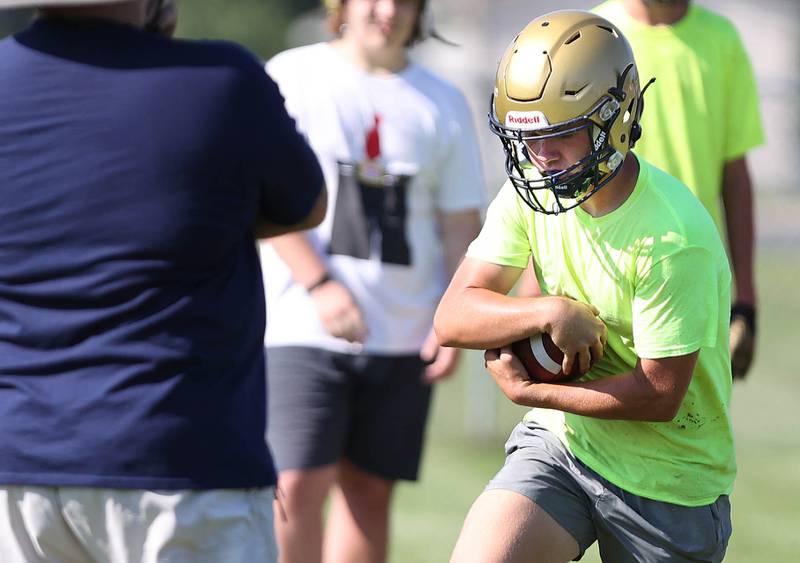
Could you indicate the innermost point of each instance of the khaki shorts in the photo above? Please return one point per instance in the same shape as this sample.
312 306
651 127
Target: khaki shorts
80 525
627 527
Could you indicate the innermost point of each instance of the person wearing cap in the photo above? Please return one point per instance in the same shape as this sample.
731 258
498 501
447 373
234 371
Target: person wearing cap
350 348
637 452
135 173
704 116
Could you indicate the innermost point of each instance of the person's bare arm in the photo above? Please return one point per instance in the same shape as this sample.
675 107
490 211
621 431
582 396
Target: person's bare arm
737 197
475 312
262 228
653 391
457 230
338 311
528 285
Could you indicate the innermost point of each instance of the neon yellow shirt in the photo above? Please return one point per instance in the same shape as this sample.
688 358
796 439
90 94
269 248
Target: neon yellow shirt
657 271
702 111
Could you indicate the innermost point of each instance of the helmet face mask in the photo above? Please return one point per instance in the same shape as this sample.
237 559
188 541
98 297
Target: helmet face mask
570 186
566 73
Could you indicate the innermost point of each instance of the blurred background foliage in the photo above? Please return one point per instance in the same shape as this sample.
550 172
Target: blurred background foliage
260 25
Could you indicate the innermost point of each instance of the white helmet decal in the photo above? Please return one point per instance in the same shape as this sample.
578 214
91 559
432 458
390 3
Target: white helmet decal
526 120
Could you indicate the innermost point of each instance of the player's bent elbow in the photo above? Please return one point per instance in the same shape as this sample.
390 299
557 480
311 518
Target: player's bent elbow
663 409
661 389
671 410
445 328
443 334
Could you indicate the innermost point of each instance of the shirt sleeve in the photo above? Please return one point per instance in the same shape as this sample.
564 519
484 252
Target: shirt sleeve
282 69
503 239
743 117
289 175
676 305
461 181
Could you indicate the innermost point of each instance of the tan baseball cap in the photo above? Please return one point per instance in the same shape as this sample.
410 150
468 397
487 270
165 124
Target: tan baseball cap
48 3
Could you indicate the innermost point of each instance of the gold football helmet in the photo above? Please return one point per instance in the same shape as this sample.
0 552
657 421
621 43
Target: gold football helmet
567 71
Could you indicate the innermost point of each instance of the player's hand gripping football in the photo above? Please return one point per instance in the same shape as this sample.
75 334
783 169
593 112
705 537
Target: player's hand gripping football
338 312
578 331
508 373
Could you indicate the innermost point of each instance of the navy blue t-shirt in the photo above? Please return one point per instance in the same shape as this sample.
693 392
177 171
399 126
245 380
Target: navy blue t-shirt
131 303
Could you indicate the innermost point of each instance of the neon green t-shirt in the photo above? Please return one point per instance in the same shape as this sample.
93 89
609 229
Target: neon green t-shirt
657 271
702 111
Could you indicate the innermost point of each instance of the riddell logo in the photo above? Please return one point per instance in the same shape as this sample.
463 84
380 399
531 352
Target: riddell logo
526 120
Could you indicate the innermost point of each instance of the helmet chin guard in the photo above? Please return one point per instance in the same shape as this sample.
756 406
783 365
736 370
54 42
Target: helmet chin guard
568 72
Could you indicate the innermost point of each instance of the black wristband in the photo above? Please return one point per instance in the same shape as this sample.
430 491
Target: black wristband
747 312
326 277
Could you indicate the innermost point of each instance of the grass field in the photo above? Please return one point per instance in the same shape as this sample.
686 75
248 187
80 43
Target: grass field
766 411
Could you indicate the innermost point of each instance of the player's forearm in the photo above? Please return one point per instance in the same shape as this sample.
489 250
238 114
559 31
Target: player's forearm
653 392
305 264
528 285
482 319
622 397
737 196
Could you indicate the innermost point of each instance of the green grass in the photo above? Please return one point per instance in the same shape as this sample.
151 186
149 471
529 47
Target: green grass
766 411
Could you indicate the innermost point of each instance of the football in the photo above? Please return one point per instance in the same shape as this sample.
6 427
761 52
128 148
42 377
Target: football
542 359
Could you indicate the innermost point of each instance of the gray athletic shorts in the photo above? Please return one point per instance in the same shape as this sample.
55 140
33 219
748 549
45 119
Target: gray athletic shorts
628 528
326 406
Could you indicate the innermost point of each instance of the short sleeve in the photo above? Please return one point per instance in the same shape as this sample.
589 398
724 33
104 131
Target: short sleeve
461 182
288 171
282 69
743 118
503 239
676 305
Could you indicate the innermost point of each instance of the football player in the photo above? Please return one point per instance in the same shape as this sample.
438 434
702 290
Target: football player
638 453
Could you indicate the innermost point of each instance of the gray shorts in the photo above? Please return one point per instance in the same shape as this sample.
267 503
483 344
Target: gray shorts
326 406
628 528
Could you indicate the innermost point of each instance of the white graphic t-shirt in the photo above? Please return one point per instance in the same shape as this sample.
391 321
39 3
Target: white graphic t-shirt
395 150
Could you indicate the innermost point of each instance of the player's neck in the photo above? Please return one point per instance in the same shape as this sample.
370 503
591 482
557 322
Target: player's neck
378 61
656 14
616 192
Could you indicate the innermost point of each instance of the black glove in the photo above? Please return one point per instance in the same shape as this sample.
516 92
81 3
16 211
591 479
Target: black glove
742 339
